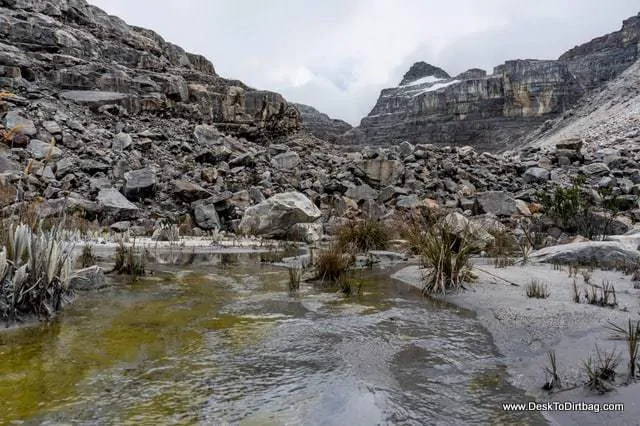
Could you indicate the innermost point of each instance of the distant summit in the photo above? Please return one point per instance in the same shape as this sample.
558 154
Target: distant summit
421 70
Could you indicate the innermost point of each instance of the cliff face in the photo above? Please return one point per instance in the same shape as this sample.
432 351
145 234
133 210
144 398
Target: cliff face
321 125
493 112
76 48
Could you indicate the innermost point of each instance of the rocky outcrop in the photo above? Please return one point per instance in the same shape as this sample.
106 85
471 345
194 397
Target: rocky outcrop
498 111
421 70
98 61
321 125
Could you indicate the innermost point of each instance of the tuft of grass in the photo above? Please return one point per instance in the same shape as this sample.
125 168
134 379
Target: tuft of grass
536 289
87 258
503 262
631 335
295 275
574 270
364 235
576 294
128 261
448 257
604 296
552 370
586 276
601 371
504 243
332 263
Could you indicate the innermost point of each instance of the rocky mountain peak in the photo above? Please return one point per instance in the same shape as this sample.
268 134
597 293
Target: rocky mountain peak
421 70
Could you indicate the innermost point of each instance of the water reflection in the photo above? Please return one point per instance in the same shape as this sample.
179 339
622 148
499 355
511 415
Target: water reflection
221 341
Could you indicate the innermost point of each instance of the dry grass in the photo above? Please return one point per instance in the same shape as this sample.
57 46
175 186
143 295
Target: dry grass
601 371
364 235
630 335
448 257
332 263
128 261
536 289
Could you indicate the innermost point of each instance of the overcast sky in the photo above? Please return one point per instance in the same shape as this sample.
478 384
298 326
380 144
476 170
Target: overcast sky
337 55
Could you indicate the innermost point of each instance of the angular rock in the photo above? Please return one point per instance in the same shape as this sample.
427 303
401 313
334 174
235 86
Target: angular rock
189 192
379 173
361 192
88 279
139 184
499 203
276 216
601 254
115 206
205 214
536 175
41 150
286 161
15 120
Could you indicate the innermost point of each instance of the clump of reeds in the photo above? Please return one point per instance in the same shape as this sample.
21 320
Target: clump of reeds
552 371
128 261
295 275
364 235
536 289
332 263
601 371
631 335
448 257
87 257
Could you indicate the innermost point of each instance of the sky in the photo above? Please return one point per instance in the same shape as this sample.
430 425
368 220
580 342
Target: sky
336 55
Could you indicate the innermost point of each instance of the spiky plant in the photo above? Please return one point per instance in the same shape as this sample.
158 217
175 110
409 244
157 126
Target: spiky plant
448 257
332 263
35 271
576 294
631 335
364 235
537 289
295 274
87 258
601 371
552 370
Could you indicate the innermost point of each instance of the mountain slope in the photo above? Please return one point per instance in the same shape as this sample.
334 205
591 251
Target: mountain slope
498 111
91 58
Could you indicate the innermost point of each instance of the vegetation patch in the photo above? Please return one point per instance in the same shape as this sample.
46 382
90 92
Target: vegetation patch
35 269
536 289
364 235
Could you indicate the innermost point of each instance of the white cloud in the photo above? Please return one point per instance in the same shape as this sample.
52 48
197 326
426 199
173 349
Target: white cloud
337 54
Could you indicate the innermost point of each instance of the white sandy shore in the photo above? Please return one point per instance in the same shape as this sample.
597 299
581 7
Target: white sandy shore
525 329
185 244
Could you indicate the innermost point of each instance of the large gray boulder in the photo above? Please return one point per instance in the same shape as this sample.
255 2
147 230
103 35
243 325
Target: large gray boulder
499 203
189 192
286 161
276 216
91 278
205 214
114 205
380 173
536 175
139 184
597 253
41 150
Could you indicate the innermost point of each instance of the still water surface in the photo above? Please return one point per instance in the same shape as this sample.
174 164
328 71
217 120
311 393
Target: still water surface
220 341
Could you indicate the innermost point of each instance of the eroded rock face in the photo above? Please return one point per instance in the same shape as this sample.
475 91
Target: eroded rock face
497 111
321 125
99 61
